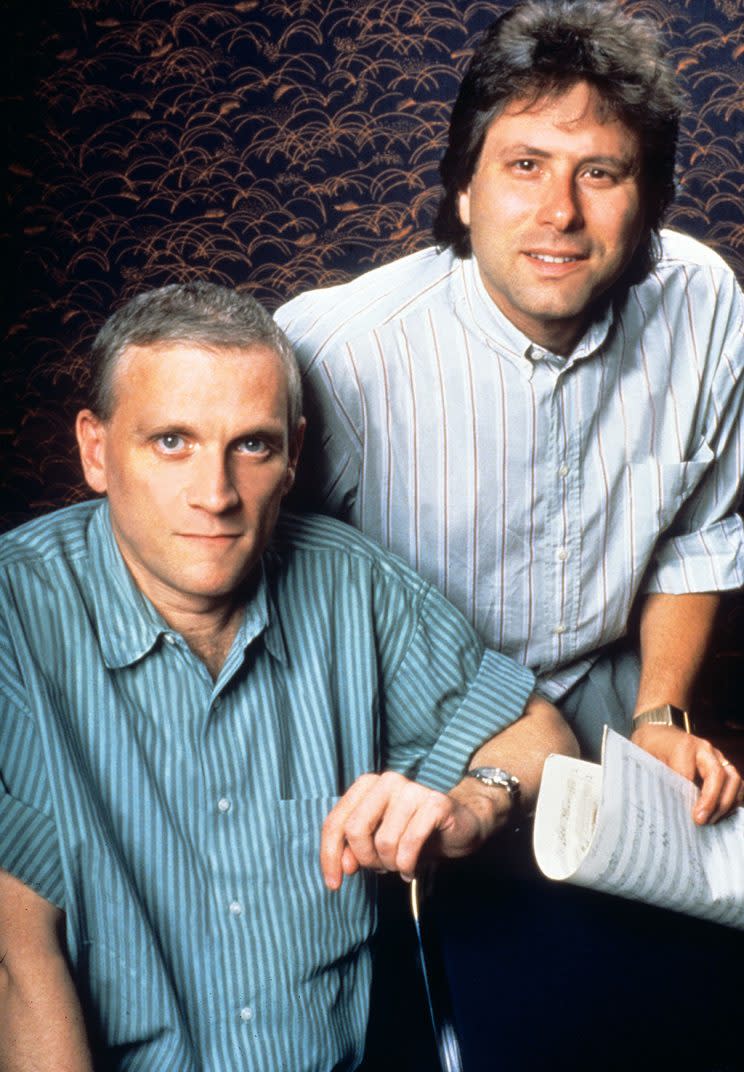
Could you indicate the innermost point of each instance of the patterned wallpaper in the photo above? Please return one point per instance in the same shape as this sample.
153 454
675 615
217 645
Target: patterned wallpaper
271 144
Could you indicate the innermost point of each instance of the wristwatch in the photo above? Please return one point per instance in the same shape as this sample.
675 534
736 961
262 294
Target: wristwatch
665 715
496 776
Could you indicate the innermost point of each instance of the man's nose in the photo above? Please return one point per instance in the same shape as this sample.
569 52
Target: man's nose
211 486
561 205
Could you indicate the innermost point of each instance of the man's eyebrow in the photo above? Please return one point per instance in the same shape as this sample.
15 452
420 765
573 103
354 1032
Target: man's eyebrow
524 150
270 432
160 428
625 161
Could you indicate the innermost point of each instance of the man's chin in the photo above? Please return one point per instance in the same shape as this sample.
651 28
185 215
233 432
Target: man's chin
216 585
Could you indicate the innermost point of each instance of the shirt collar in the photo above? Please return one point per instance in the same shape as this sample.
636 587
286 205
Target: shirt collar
127 623
500 334
260 617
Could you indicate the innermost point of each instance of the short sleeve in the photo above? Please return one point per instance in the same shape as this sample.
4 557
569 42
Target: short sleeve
703 550
29 847
448 696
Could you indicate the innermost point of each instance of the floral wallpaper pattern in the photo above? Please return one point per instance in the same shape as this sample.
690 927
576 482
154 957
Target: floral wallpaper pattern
270 144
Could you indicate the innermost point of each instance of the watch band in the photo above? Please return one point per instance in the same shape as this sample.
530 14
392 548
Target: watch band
498 777
664 715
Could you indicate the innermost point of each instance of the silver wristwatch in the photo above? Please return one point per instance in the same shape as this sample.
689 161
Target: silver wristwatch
496 776
665 715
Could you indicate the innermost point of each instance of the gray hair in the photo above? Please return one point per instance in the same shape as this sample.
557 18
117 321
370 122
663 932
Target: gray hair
202 313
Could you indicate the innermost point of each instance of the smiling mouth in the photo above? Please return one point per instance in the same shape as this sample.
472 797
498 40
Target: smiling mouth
549 258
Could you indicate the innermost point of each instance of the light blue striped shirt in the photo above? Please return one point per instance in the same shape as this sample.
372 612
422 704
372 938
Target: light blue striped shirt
541 494
176 819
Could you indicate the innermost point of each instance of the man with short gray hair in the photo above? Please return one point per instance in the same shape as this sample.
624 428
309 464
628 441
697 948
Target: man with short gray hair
215 721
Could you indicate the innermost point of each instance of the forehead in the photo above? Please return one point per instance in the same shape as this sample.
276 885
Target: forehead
574 115
194 378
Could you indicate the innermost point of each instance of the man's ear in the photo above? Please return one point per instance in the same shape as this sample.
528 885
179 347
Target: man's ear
463 206
296 440
91 436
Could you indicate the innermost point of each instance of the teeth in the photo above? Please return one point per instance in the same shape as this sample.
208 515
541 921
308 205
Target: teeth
553 260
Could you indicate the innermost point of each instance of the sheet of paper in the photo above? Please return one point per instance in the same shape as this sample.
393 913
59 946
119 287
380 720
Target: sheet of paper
648 847
566 814
626 828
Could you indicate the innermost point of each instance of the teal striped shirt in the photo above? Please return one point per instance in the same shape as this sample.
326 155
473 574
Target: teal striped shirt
176 819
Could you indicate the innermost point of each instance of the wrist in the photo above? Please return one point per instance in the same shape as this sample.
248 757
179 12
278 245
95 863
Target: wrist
495 795
662 715
491 808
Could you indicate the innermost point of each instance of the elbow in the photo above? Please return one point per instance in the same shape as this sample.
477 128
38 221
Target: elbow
569 745
552 727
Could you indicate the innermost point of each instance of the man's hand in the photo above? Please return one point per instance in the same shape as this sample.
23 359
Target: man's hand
697 759
383 822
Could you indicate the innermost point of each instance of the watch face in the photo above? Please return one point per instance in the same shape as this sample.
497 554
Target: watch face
497 777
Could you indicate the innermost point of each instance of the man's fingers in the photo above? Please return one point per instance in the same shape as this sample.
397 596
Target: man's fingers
696 759
713 777
349 862
435 816
731 790
389 827
721 786
382 822
333 836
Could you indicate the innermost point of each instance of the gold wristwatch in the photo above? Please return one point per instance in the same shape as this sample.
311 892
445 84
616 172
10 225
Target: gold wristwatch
665 715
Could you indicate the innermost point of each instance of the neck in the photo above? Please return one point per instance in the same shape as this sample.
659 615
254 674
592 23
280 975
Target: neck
208 632
558 339
210 642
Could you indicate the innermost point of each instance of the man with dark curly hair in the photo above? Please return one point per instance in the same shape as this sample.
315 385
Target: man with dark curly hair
541 414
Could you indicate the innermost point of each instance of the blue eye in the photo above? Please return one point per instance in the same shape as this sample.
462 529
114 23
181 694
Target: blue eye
171 442
252 446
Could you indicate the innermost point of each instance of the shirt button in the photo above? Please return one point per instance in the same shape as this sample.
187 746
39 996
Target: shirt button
235 908
562 554
246 1014
563 470
169 638
223 804
216 704
559 630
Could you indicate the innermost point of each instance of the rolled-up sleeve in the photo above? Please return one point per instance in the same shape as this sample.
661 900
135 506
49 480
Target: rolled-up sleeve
703 549
448 695
709 560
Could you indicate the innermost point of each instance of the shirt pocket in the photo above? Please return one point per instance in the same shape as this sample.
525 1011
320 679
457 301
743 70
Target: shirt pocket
658 490
328 929
655 494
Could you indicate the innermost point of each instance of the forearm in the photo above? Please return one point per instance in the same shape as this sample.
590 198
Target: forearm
41 1022
675 636
521 749
384 821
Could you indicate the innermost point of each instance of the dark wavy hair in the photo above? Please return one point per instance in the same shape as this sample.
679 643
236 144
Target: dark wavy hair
545 47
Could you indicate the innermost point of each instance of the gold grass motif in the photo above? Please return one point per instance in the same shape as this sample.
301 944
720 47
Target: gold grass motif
273 146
